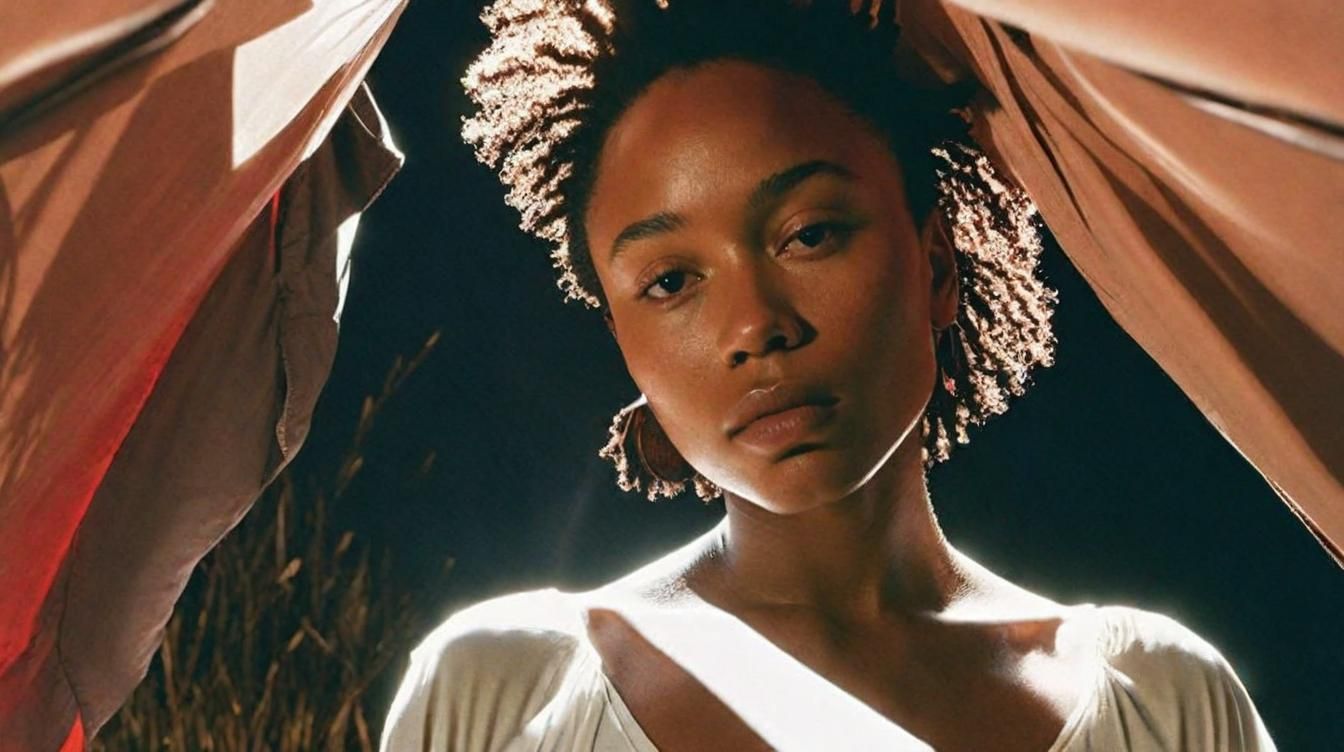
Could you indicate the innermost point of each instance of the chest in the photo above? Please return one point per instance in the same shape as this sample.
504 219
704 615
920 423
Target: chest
956 691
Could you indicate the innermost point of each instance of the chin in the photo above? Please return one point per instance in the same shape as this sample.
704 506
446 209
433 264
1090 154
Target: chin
802 480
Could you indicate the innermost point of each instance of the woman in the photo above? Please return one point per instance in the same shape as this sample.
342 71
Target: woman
816 282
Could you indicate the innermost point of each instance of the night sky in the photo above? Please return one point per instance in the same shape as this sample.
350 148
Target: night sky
1103 484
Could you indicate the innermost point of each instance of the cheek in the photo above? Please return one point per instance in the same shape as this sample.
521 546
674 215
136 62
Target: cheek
675 370
882 337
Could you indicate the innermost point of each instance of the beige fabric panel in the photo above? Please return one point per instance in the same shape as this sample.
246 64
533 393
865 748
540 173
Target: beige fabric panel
44 46
245 375
1288 56
1213 242
119 208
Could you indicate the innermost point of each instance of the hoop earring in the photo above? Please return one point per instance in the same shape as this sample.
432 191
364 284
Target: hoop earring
950 352
659 468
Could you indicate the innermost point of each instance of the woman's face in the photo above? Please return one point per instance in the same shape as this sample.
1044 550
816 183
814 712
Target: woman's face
756 250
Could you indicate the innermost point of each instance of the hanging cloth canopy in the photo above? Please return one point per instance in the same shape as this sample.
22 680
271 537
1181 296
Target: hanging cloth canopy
177 186
1189 158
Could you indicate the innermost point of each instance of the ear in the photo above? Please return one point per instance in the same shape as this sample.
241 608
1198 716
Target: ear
945 286
609 321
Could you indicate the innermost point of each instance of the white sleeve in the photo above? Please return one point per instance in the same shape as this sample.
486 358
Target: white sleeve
1191 697
475 682
404 729
1239 726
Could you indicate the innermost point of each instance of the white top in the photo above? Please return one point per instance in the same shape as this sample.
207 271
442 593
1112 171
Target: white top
519 673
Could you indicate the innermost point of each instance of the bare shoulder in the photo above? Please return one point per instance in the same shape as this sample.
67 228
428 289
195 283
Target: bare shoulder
1167 672
663 582
1145 643
988 597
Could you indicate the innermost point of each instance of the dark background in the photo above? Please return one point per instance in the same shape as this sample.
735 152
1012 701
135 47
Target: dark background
1103 484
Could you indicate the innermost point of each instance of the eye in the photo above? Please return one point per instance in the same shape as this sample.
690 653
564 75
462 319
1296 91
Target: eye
815 235
666 284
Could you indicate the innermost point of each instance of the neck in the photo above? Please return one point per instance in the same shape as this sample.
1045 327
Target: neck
875 553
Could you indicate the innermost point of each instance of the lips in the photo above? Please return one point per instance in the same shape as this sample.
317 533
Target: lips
778 398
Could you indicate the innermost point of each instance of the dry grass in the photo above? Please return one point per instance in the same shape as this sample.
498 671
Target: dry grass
282 630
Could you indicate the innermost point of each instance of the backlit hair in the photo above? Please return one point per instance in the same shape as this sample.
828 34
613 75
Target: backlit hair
557 75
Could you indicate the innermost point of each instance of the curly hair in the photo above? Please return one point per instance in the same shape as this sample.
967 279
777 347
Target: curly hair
558 74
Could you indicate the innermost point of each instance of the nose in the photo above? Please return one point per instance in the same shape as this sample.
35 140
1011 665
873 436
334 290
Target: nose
759 316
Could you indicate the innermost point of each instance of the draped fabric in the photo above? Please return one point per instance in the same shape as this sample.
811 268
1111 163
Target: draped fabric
178 185
1189 158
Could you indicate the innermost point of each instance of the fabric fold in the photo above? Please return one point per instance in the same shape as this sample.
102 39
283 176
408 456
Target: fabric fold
1211 241
122 217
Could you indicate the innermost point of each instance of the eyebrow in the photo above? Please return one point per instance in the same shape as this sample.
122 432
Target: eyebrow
768 190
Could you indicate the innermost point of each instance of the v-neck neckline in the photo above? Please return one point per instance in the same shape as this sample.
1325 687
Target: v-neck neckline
1083 709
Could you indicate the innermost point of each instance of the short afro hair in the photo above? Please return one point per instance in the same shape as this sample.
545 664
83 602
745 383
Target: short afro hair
558 74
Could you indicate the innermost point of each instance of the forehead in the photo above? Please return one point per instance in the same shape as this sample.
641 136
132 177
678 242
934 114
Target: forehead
703 137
